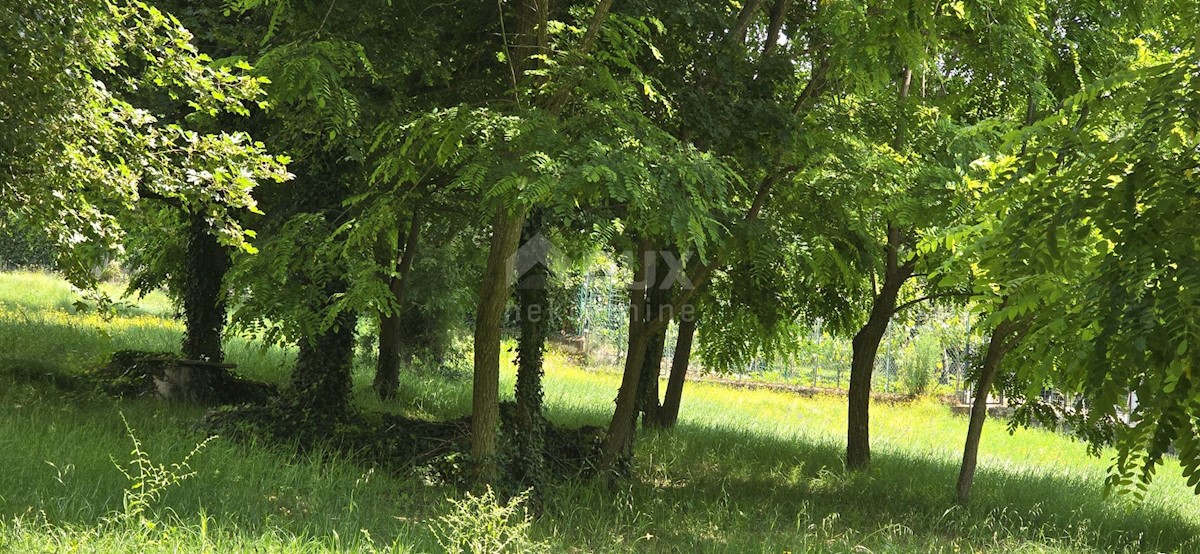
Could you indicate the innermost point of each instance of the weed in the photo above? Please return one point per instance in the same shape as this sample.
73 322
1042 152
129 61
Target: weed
149 480
484 525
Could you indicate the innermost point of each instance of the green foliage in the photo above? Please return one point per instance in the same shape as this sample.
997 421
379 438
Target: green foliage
84 131
312 80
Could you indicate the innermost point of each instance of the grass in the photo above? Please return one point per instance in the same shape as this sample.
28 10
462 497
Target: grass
746 470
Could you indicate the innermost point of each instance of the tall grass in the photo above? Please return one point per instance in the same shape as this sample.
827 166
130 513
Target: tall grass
745 471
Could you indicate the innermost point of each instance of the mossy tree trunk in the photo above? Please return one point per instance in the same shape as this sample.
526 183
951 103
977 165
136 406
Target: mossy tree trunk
528 426
204 296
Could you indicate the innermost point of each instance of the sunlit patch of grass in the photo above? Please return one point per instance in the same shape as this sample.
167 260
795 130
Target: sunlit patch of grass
745 471
39 321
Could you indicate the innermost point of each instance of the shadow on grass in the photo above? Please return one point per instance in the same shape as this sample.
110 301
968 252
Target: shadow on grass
60 453
773 491
698 488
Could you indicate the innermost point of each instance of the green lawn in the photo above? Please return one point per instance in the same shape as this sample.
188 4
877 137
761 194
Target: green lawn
746 471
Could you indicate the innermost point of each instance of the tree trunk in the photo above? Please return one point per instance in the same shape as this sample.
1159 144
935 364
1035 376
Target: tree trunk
391 344
528 432
998 346
204 298
321 383
618 441
493 295
865 346
668 416
391 328
648 388
658 300
745 18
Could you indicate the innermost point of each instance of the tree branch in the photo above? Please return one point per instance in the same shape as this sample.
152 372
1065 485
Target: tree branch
778 12
559 99
589 39
738 32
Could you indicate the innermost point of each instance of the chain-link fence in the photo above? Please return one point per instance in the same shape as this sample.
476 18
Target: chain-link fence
931 355
907 363
603 319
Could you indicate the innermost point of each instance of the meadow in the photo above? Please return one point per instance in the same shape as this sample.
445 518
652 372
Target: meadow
745 471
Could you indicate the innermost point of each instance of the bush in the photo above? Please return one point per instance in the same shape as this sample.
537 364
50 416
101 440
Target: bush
919 361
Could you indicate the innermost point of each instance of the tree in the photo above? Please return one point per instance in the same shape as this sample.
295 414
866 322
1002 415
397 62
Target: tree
311 281
512 158
1110 189
699 95
530 40
1014 286
391 327
668 414
84 141
533 310
931 77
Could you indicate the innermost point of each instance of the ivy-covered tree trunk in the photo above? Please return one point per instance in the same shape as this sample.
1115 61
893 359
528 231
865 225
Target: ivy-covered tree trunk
204 297
528 426
668 415
321 383
999 344
493 295
391 327
865 346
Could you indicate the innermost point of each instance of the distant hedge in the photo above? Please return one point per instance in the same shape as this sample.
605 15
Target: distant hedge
22 246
